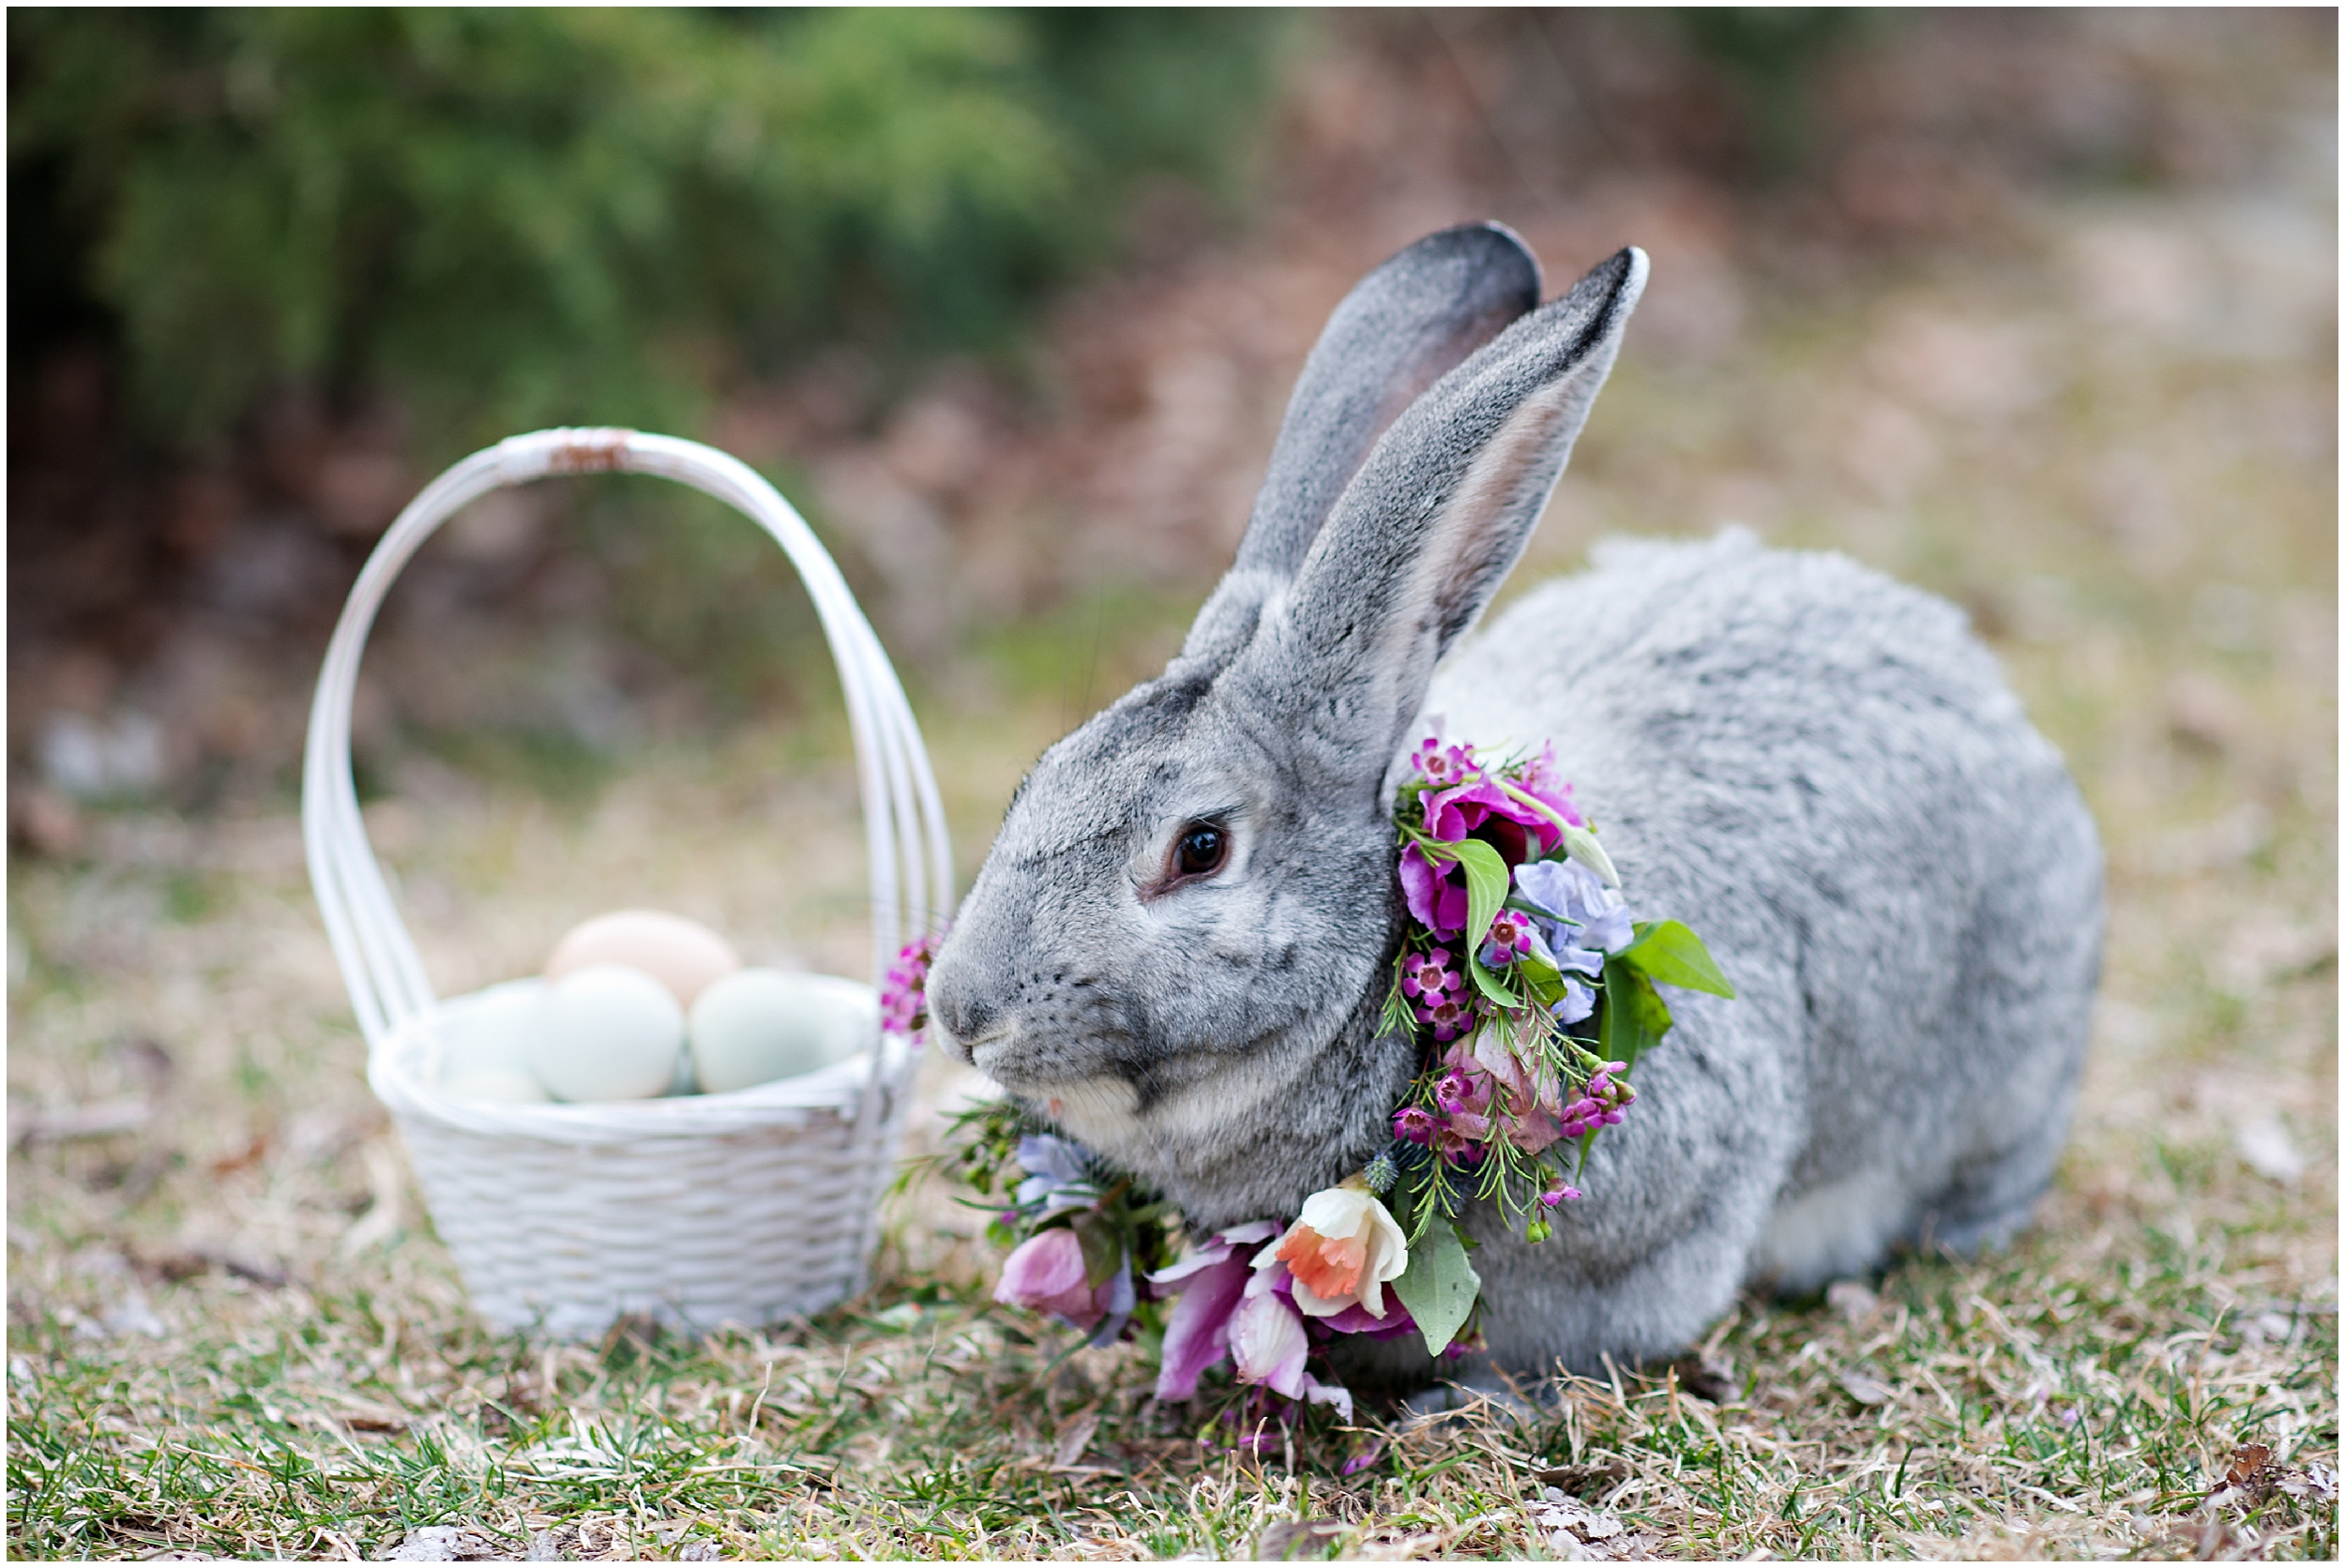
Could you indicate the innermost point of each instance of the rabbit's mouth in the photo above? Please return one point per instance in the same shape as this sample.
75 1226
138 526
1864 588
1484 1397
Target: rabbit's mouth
965 1051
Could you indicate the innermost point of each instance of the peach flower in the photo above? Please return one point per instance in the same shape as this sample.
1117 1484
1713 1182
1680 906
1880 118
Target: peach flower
1345 1248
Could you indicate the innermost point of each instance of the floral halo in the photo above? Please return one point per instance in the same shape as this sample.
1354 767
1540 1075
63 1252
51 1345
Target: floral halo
1529 990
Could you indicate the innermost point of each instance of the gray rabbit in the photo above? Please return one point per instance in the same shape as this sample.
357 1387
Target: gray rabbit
1179 949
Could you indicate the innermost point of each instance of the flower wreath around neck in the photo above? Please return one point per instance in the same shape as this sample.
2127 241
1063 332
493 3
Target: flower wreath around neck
1528 988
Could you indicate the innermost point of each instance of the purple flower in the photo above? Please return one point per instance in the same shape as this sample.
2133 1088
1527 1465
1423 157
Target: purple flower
1210 1282
1485 803
1045 1274
1414 1125
1562 1192
1457 1144
1436 893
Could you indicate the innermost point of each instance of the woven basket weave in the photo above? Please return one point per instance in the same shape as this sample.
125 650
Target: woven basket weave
699 1209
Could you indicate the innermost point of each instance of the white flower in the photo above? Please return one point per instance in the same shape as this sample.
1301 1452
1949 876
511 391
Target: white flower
1344 1249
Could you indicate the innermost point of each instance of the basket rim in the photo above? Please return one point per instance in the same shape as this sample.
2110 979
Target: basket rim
393 1073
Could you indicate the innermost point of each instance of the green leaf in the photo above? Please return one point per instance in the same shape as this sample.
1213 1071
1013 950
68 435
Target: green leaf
1440 1286
1670 953
1491 984
1635 1017
1541 979
1486 887
1103 1249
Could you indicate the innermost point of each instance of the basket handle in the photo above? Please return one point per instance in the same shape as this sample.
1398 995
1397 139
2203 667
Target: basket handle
903 820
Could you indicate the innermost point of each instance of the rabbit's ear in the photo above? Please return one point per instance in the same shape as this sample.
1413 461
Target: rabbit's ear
1437 516
1399 330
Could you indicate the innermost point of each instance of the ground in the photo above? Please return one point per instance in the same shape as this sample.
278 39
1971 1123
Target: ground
232 1331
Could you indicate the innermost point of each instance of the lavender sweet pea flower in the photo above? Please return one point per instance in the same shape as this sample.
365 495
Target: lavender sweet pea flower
1579 1000
1591 915
1056 1179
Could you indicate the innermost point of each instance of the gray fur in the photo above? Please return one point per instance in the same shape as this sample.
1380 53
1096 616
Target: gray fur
1817 768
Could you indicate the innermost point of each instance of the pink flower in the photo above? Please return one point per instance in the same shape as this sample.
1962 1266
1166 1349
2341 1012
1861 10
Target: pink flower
1045 1274
1413 1124
1450 1018
1268 1343
1460 1141
905 994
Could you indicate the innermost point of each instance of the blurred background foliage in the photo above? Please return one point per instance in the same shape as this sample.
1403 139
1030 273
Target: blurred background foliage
518 218
1006 301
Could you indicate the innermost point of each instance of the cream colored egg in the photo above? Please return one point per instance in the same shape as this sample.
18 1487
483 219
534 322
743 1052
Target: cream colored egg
757 1025
492 1031
682 955
498 1085
611 1032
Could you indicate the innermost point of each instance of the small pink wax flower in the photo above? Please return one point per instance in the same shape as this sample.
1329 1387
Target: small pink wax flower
1538 780
1045 1274
1441 766
1414 1125
1512 936
1448 1017
1430 974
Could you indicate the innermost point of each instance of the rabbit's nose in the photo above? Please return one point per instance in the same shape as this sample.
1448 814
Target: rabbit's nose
965 1018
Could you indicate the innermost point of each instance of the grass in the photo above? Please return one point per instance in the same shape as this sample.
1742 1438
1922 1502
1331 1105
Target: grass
232 1331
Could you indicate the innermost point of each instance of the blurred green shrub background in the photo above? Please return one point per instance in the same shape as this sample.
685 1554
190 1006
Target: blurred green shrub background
519 218
1008 303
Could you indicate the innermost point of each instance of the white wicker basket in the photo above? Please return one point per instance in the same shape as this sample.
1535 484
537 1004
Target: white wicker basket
703 1210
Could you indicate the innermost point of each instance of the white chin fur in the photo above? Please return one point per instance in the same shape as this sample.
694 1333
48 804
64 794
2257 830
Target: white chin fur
1103 1113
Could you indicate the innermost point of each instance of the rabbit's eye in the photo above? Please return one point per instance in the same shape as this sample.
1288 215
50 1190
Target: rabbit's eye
1201 849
